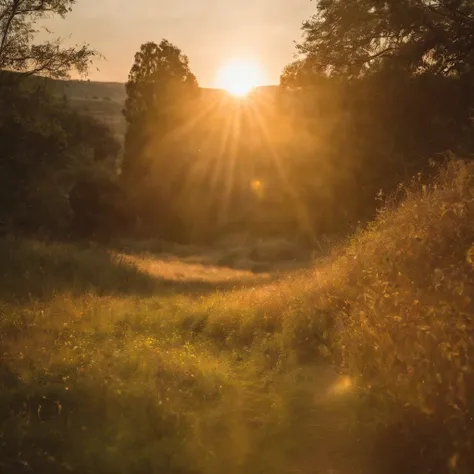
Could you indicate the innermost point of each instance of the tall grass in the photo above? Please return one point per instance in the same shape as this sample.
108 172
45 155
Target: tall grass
407 330
105 368
361 364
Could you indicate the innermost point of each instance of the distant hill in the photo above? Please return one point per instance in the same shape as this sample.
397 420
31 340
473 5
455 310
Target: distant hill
115 91
106 91
105 100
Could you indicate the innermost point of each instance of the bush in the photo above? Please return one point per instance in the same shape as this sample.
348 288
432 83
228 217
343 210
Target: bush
100 209
44 148
407 329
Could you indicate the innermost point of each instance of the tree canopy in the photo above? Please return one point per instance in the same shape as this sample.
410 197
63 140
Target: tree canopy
20 53
356 37
159 88
160 92
159 77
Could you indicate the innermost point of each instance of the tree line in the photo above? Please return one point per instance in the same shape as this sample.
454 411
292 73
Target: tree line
380 90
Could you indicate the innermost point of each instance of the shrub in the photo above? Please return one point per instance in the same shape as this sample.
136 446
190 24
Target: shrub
407 330
44 148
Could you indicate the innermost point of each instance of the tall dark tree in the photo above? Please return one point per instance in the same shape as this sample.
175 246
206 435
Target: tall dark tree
159 87
20 52
363 89
160 94
354 37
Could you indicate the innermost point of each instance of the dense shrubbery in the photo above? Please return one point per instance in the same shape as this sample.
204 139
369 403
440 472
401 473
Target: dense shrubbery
407 328
45 147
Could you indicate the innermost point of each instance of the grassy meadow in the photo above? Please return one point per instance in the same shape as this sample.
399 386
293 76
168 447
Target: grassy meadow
232 280
151 364
166 359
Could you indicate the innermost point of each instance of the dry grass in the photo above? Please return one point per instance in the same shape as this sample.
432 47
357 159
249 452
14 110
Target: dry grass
121 363
132 364
175 269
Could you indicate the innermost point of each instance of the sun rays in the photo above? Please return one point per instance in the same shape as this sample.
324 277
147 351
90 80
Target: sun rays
237 160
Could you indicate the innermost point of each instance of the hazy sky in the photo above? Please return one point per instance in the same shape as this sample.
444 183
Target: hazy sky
208 31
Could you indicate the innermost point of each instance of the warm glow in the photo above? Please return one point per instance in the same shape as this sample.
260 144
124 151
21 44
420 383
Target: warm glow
343 386
239 77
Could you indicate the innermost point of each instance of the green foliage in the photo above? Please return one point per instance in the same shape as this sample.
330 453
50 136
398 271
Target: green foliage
18 52
352 38
45 147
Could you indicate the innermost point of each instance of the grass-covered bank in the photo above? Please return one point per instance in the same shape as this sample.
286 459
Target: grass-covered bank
112 364
407 331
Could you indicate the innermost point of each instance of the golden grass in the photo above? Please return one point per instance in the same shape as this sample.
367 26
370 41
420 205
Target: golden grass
175 373
131 363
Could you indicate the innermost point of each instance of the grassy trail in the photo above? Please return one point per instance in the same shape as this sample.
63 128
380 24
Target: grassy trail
323 404
322 433
124 343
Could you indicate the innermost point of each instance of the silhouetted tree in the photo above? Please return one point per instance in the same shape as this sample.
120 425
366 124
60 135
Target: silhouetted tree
379 90
19 52
353 37
159 87
160 92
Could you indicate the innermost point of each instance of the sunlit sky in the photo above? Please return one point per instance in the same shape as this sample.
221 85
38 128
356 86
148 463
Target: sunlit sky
210 32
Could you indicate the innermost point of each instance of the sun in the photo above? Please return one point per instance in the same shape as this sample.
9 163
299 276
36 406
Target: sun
239 77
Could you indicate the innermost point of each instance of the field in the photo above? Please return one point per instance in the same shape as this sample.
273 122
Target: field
155 363
102 100
158 358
